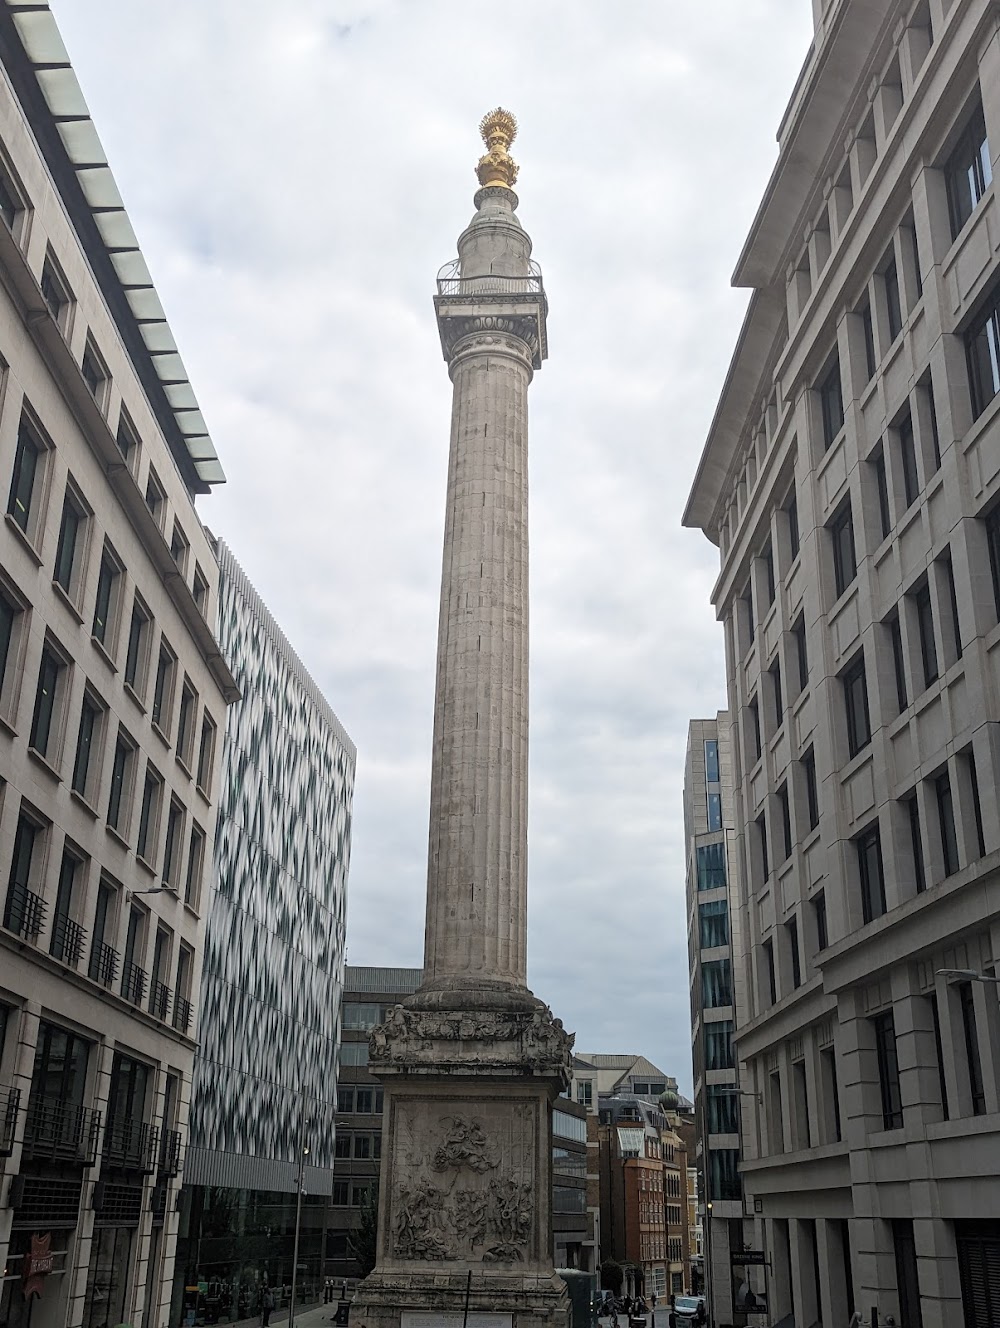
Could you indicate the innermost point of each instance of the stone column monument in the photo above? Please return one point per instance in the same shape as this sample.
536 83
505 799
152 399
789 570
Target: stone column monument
472 1062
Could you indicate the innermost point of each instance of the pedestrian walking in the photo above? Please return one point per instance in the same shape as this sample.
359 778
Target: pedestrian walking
266 1306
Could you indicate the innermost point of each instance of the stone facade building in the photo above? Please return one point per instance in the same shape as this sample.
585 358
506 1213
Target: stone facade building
113 695
851 480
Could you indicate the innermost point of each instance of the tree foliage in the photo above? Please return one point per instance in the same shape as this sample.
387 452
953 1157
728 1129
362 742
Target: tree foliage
362 1241
612 1276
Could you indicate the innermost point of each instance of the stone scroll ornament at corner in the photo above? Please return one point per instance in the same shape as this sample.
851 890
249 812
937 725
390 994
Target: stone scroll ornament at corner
452 1220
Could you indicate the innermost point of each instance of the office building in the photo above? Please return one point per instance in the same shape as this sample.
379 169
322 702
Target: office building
717 972
265 1078
851 480
112 697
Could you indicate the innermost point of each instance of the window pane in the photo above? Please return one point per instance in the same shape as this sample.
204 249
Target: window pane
711 860
713 923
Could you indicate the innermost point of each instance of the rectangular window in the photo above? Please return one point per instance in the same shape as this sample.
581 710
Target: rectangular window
982 351
711 761
178 547
90 725
138 647
819 917
882 488
172 847
888 1070
345 1101
893 309
859 733
946 823
155 497
831 399
908 460
185 721
105 601
831 1093
747 601
724 1178
714 811
27 459
969 760
764 858
206 753
939 1055
199 589
812 789
713 924
767 558
792 516
786 822
869 849
66 942
774 673
869 335
43 718
24 911
70 526
163 688
801 651
127 439
94 373
907 1281
928 390
792 933
719 1045
755 742
195 867
916 843
992 525
342 1145
968 171
800 1102
121 780
845 567
148 816
10 203
339 1193
769 973
716 988
723 1114
898 661
711 861
925 628
945 563
9 612
972 1058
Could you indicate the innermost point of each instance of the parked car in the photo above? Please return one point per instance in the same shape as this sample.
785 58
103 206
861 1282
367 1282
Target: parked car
686 1310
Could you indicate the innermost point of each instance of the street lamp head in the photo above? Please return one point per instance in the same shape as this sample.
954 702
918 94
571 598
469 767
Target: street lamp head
966 975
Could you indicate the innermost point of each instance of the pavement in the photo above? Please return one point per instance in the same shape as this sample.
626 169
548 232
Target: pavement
316 1315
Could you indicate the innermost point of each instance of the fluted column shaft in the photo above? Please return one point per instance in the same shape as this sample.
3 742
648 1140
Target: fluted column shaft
477 862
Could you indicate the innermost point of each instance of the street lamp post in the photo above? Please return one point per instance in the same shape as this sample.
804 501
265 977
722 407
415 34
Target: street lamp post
299 1183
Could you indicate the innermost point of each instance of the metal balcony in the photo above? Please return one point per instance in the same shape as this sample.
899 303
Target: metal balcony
450 282
134 984
60 1132
10 1103
25 911
170 1154
67 941
182 1014
103 963
132 1145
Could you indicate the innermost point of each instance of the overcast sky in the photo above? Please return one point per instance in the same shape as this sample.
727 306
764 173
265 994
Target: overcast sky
297 173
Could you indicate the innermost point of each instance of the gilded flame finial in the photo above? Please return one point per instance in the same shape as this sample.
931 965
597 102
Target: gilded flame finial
497 167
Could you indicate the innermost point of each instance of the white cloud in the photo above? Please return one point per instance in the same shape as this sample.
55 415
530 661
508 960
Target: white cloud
297 174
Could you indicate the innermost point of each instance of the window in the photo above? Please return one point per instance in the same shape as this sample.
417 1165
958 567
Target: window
916 843
767 558
44 719
711 761
138 647
801 652
972 1058
808 764
715 983
172 848
27 464
345 1102
967 171
106 601
792 932
982 351
898 662
877 464
94 373
10 611
185 721
907 1280
155 497
723 1116
831 402
927 386
121 781
714 811
342 1145
845 567
711 862
792 516
206 753
925 627
70 526
10 203
908 459
819 918
148 816
713 924
755 744
968 760
992 524
939 1055
585 1093
763 857
869 336
888 1070
179 547
163 688
869 849
948 572
800 1106
24 911
769 973
199 588
127 439
893 310
339 1193
66 942
786 822
363 1147
719 1045
830 1093
859 733
89 731
195 866
774 673
946 823
354 1053
724 1179
55 292
746 599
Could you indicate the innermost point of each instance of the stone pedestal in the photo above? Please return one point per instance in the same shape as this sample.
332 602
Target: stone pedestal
469 1080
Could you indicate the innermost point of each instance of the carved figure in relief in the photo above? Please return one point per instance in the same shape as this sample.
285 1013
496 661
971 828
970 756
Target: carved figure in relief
465 1145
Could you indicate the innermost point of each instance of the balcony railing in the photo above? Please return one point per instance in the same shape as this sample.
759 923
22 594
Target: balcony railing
182 1014
25 911
159 1001
103 963
10 1102
451 282
60 1131
131 1144
67 940
134 984
170 1153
